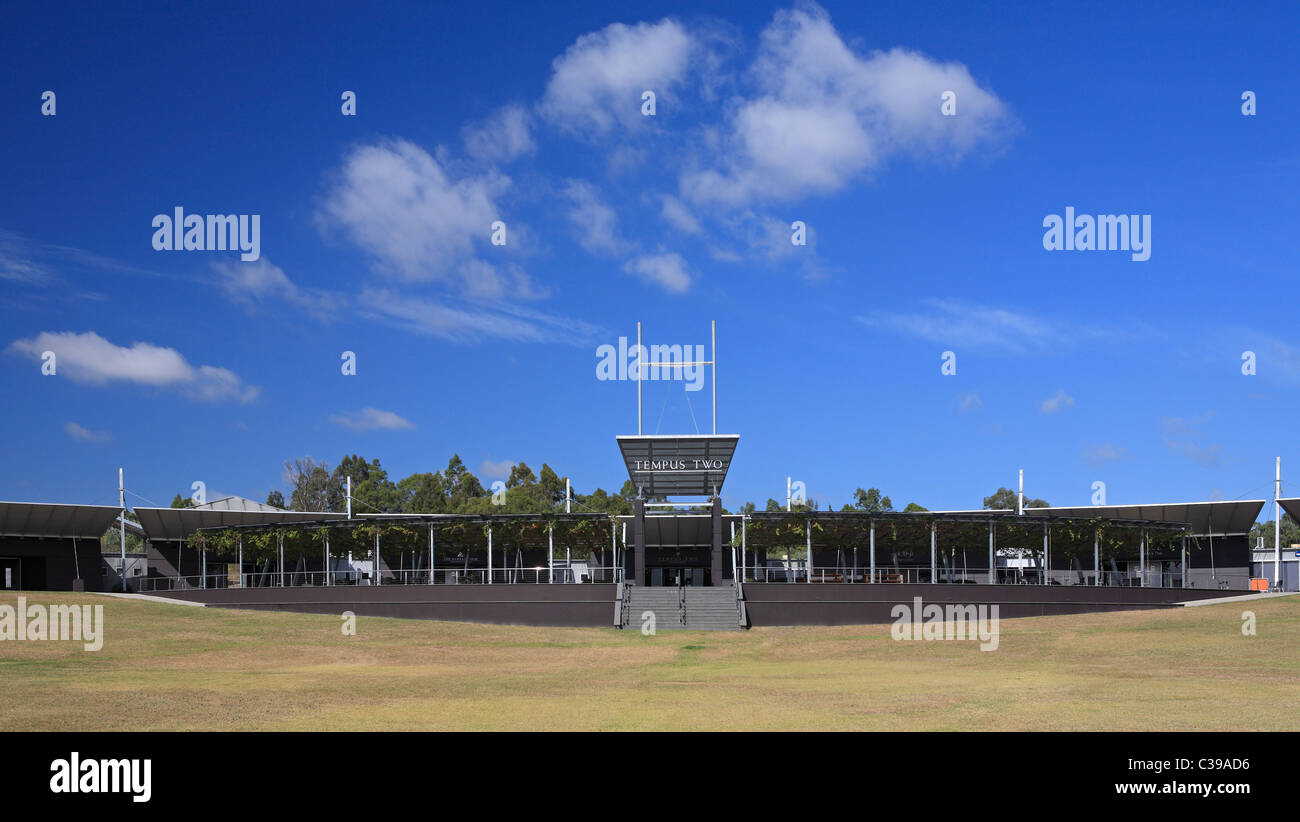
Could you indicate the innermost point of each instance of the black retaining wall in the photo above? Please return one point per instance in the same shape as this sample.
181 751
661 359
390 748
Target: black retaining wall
776 603
590 605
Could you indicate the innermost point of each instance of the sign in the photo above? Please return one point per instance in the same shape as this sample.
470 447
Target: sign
677 556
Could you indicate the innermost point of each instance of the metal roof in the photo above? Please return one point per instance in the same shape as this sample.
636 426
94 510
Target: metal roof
1291 506
39 519
1223 518
674 465
233 503
179 523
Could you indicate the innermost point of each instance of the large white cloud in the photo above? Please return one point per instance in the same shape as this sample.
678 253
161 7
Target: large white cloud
91 359
598 81
821 114
397 202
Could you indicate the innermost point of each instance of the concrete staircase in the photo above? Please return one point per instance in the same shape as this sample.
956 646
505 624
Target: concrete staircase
695 609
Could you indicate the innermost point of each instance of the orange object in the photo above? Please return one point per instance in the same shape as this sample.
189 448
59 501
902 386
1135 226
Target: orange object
1258 584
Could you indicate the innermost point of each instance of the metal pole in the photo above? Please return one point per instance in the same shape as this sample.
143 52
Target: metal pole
743 520
550 553
715 375
1184 562
431 568
121 503
1142 559
568 499
787 494
489 562
638 378
1096 558
281 536
327 557
613 545
873 550
1277 526
241 560
203 568
379 577
934 570
1045 557
349 496
1020 495
993 565
808 532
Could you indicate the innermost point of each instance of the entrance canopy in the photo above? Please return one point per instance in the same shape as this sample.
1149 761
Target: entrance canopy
678 465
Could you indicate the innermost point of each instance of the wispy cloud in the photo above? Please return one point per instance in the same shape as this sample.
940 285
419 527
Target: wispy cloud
1057 402
666 270
1104 453
496 469
373 419
80 432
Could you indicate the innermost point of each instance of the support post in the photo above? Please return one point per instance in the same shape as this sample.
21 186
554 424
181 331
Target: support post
1096 558
1046 558
550 554
241 560
636 569
638 378
281 535
808 534
1277 526
873 549
714 369
432 575
327 557
743 557
934 568
993 562
121 523
203 568
1183 563
1142 559
379 577
489 556
715 561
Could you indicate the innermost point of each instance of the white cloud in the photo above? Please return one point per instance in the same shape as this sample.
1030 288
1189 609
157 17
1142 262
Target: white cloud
471 321
676 214
598 81
822 114
398 203
373 419
89 358
79 432
502 137
492 470
667 270
1104 453
971 402
964 324
254 282
595 223
1057 402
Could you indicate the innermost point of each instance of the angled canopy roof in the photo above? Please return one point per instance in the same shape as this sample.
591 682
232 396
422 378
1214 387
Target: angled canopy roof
179 523
1292 507
678 465
233 503
1205 518
39 519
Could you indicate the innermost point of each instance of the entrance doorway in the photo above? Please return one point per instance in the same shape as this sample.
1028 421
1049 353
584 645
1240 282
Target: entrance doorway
677 575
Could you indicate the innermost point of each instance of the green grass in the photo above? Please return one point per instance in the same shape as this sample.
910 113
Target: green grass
172 667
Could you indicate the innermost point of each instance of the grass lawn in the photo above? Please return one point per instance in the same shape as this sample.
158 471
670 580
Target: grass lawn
172 667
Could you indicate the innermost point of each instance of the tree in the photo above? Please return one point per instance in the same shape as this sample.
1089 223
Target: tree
182 502
871 501
423 494
314 487
371 488
1290 532
1005 498
275 499
520 474
913 508
552 486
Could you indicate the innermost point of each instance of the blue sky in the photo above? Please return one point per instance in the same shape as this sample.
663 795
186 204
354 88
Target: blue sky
924 235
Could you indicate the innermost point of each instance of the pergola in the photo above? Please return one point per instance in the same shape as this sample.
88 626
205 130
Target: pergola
465 534
851 529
